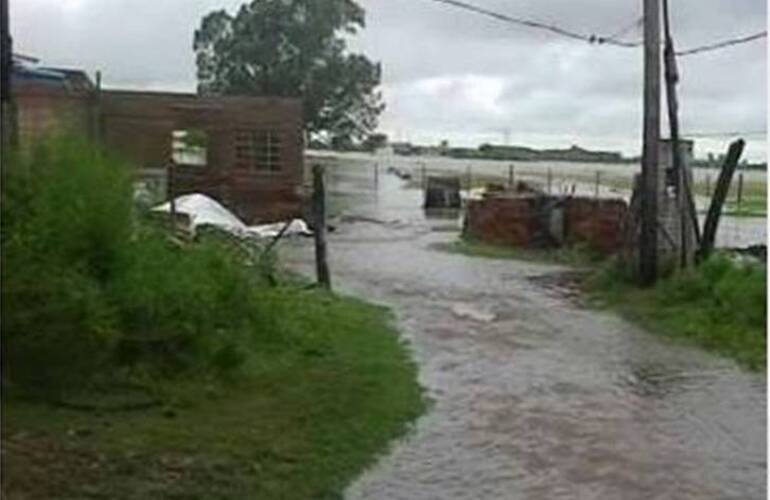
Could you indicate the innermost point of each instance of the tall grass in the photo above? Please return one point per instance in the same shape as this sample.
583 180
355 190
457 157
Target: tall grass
90 288
721 305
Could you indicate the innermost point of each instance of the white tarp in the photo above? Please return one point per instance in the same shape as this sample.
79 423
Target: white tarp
202 210
296 227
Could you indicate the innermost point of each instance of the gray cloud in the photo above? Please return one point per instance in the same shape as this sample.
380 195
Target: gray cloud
452 74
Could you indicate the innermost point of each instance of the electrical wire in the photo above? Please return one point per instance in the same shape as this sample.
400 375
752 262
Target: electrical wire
722 44
593 38
703 135
597 39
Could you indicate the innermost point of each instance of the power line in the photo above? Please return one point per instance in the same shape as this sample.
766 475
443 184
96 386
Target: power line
705 135
722 44
593 38
627 29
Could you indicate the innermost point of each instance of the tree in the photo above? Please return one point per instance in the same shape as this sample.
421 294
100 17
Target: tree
294 48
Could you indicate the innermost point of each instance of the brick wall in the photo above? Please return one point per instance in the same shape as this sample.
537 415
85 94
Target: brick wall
529 220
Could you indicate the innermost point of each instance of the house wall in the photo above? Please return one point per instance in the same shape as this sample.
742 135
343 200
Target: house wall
44 109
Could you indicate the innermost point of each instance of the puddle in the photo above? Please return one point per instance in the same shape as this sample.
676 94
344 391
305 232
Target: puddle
533 396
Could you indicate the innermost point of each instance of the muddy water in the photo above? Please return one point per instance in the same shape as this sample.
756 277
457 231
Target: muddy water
533 396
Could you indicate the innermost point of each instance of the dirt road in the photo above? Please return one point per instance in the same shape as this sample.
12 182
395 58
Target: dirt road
534 397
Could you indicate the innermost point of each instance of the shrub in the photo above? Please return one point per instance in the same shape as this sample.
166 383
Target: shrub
89 287
66 216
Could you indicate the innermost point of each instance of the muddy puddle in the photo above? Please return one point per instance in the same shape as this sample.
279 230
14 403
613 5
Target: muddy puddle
533 396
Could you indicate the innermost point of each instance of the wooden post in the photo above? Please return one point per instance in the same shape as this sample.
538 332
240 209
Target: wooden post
96 110
688 213
510 176
740 190
648 241
549 180
598 182
171 191
720 194
469 180
6 67
708 185
319 227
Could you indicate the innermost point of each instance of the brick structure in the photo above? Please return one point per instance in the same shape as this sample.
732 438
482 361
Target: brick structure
597 222
52 100
504 220
533 220
251 159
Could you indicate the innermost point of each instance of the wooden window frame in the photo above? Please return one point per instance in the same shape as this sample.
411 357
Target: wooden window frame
259 150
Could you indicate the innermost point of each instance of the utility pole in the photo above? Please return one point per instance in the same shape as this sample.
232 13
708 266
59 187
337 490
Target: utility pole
648 240
688 214
6 64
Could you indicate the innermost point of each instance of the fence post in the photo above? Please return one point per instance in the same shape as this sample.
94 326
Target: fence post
171 191
319 226
598 181
470 184
549 180
708 186
720 194
510 176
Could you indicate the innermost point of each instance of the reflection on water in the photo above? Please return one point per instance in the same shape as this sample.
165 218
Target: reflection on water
534 396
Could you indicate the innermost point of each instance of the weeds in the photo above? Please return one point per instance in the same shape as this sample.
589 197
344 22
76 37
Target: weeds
721 305
89 285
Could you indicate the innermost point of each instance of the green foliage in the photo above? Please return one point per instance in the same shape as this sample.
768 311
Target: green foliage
720 305
579 254
87 284
183 308
323 385
66 212
293 48
308 415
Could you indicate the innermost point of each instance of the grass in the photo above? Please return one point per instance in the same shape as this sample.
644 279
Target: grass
720 306
749 207
576 255
301 422
138 366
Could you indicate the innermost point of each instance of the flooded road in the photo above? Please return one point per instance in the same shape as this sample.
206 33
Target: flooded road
533 396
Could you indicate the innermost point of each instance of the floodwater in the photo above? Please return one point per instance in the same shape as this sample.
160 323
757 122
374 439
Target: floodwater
734 232
533 396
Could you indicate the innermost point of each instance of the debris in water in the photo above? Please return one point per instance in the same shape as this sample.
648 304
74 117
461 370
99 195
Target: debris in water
466 311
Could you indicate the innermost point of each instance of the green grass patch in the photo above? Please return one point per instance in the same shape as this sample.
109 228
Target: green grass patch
576 255
305 417
721 306
749 207
135 366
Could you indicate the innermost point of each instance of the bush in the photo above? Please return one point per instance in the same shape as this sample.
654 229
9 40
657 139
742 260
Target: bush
89 287
180 307
66 212
720 305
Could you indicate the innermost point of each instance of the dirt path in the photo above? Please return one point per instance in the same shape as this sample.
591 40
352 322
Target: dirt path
534 396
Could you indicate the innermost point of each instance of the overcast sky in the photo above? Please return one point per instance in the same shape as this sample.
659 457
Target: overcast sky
450 74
